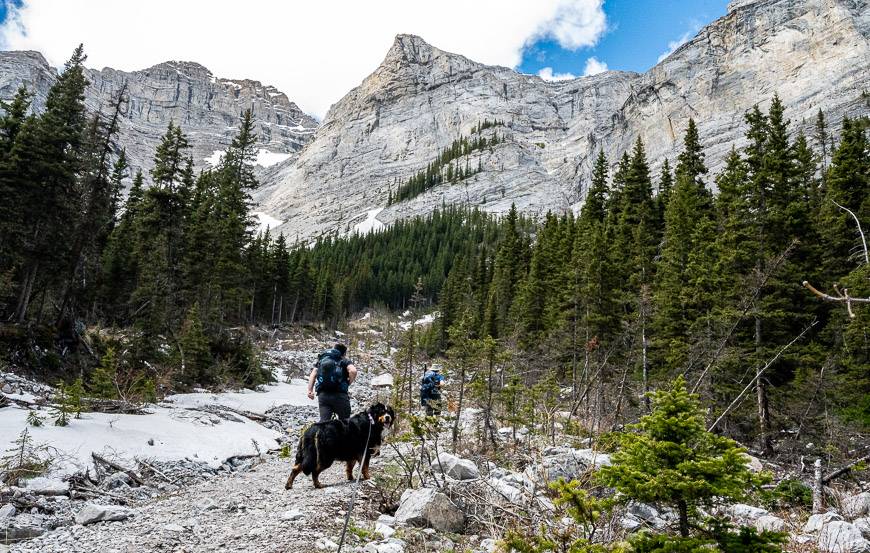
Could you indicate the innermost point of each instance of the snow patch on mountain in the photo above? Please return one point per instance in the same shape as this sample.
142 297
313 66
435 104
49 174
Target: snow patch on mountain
371 224
265 158
265 222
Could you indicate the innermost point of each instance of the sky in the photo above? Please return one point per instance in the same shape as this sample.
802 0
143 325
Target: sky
316 51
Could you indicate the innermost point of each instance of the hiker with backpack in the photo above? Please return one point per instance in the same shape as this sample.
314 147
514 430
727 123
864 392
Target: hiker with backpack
330 379
430 391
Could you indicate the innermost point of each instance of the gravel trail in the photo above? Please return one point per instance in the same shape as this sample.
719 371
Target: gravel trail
238 512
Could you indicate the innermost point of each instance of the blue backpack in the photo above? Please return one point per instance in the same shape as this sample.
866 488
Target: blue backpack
331 376
429 386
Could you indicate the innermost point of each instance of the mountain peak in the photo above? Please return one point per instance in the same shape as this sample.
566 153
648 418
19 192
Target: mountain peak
410 49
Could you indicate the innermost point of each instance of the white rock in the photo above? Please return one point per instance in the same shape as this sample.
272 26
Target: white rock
512 494
863 525
92 512
325 544
745 514
7 511
842 537
455 467
815 522
382 380
386 546
753 463
770 523
429 507
384 530
292 514
856 506
174 528
488 545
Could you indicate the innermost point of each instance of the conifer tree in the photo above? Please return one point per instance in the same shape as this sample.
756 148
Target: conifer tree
669 459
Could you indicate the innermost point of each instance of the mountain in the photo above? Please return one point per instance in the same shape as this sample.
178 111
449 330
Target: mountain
206 107
813 53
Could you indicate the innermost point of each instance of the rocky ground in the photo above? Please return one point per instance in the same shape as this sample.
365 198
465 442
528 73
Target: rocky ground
457 502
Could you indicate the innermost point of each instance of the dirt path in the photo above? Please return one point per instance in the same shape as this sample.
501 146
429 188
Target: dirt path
238 512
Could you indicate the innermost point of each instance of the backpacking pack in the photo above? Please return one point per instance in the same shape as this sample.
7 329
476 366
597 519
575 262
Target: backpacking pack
331 377
429 386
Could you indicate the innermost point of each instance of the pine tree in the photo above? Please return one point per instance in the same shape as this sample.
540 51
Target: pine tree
40 174
669 458
194 352
103 381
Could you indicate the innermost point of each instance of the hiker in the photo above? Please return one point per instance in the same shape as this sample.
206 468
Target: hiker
430 391
330 379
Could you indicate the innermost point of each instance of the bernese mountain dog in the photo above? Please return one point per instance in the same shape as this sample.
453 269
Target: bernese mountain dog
323 443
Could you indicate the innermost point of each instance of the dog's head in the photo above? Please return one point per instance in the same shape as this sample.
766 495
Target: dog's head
382 414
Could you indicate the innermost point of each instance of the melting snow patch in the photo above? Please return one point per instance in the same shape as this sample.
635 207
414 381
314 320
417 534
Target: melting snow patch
426 320
295 393
175 433
265 158
371 224
265 222
215 158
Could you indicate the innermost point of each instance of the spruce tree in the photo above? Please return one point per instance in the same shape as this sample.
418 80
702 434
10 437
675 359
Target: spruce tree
670 459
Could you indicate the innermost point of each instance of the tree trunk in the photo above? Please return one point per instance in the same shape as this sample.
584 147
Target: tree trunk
683 511
818 488
26 291
763 415
459 406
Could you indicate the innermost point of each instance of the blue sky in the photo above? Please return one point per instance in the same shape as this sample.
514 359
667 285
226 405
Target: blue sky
639 31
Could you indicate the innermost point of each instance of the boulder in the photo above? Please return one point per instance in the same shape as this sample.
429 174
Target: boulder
856 506
7 511
429 507
93 512
753 463
863 526
292 515
567 463
325 544
455 467
646 515
488 545
770 523
815 522
13 531
842 537
745 514
505 490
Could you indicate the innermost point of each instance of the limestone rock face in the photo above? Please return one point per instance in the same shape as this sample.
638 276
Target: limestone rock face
206 107
813 53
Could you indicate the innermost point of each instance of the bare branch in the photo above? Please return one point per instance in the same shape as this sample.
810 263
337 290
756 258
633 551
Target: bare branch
758 375
860 231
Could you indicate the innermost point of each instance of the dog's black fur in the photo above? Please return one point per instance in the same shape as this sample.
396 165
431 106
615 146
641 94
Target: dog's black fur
323 443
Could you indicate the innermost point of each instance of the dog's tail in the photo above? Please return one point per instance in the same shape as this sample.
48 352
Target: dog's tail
308 451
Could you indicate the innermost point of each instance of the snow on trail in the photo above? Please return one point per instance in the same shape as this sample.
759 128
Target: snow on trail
175 427
175 434
295 393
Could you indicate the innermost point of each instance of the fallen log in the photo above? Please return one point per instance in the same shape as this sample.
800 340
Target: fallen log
848 468
118 468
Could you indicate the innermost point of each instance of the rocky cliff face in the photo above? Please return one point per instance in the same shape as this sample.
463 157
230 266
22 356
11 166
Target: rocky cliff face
813 53
206 107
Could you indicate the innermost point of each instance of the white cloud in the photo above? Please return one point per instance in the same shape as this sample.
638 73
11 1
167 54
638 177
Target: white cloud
314 51
594 67
547 74
674 44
